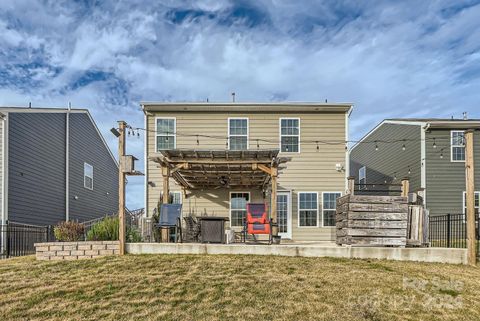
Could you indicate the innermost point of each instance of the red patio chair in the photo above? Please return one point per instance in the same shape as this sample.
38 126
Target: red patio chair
257 221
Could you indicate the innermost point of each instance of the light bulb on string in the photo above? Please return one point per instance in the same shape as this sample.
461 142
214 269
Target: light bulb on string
376 146
404 147
434 143
258 145
318 147
286 148
409 171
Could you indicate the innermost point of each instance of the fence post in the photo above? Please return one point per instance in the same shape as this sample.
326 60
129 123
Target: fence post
405 186
448 230
351 185
7 232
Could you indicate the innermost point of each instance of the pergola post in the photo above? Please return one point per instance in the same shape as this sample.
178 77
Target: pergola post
273 202
165 199
470 191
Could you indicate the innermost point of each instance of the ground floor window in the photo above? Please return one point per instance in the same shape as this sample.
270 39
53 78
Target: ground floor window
330 207
238 207
307 209
176 197
477 202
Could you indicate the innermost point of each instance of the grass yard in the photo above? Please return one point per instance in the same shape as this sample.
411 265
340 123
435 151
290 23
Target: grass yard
188 287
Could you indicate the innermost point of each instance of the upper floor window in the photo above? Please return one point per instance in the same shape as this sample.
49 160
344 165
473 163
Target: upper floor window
165 133
457 146
362 177
290 135
237 133
88 176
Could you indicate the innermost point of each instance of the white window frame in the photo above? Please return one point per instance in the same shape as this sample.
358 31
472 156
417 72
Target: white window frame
248 130
179 196
280 134
362 186
298 209
230 206
464 205
174 134
452 146
323 208
85 175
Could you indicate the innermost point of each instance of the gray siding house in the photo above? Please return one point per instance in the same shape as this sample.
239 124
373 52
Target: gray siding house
430 152
54 166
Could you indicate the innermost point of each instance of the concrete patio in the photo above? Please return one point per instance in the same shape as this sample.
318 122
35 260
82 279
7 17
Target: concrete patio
305 249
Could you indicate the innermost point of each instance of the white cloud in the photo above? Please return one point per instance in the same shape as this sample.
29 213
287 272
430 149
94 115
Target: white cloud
387 58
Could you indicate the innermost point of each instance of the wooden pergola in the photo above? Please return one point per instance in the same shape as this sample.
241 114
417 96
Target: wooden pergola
217 169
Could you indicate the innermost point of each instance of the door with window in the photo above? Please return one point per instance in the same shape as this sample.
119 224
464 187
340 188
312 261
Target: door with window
284 214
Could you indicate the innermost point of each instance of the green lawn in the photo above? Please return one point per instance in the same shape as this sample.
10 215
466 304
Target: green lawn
188 287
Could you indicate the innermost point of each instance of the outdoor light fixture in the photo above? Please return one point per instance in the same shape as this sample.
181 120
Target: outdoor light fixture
115 132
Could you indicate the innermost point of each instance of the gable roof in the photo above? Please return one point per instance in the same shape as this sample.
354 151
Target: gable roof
4 110
427 123
246 107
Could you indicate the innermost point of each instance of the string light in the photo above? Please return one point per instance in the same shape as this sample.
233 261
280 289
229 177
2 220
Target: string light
318 147
376 146
409 170
198 142
403 146
434 143
258 145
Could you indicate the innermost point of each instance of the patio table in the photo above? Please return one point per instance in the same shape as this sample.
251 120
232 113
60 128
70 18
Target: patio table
212 229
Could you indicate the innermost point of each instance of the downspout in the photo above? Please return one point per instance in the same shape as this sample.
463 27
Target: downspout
347 152
5 168
67 163
145 162
4 120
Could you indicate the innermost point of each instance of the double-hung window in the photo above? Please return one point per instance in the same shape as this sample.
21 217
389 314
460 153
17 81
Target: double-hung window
330 207
362 177
238 133
176 197
307 209
88 176
457 146
290 135
477 203
165 133
238 207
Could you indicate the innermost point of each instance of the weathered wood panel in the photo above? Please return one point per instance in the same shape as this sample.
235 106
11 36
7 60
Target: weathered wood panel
372 220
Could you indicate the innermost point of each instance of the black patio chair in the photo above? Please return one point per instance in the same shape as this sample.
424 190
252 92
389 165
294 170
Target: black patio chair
192 231
170 217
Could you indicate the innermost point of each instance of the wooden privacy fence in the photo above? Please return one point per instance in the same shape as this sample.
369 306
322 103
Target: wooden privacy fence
372 220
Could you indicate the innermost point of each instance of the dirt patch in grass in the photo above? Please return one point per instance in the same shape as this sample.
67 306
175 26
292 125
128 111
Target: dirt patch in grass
203 287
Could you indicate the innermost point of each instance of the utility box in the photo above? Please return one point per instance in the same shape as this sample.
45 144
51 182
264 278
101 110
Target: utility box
127 164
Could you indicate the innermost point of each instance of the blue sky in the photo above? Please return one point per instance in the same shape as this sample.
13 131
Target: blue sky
390 58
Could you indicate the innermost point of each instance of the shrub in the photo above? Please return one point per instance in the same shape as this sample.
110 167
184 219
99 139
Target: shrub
69 231
104 230
107 230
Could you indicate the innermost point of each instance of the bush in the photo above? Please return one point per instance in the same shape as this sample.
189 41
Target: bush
104 230
107 230
69 231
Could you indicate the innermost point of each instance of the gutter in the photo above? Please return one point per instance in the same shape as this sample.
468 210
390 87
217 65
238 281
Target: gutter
67 164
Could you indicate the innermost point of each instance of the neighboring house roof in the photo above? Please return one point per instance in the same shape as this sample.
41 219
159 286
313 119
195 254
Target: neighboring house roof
427 123
247 107
4 110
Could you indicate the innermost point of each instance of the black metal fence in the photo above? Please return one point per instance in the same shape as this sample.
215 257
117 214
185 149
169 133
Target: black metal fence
18 239
450 230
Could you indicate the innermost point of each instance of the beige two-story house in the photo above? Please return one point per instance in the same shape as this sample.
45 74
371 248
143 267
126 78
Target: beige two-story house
227 147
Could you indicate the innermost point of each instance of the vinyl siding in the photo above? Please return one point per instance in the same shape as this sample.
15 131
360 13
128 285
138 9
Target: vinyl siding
308 171
87 146
382 165
36 170
2 121
446 179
